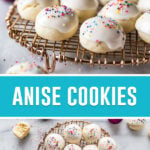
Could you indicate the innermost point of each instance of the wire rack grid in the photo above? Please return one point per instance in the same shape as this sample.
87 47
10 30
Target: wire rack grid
59 129
135 52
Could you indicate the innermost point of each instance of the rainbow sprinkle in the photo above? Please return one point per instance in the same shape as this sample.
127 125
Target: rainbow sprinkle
57 11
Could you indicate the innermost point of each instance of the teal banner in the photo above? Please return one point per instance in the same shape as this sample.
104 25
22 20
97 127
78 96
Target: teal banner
75 96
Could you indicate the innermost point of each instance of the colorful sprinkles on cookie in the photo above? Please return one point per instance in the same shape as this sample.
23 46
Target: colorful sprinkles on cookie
73 131
53 143
72 147
107 144
108 23
122 6
137 122
148 12
57 11
92 133
24 68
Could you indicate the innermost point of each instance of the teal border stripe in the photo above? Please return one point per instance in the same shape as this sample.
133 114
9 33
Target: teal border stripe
8 83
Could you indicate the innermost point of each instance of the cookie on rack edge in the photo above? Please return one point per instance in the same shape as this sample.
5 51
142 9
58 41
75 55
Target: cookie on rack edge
28 9
56 23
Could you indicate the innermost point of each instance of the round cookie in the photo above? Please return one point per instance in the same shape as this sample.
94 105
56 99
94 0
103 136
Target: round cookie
72 147
54 142
143 27
104 2
56 23
123 11
143 5
92 34
28 9
107 143
73 134
84 8
90 147
136 124
91 133
24 68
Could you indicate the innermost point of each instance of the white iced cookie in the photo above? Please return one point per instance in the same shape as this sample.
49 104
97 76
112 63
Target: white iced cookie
84 8
91 133
92 34
54 142
107 143
56 23
21 130
143 27
72 147
24 68
90 147
104 2
143 5
73 134
136 124
123 11
28 9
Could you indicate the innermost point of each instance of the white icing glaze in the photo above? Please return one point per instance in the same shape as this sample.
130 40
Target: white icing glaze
107 143
143 23
91 133
72 147
22 4
54 142
90 147
80 4
136 122
60 18
144 5
95 28
24 68
73 133
120 10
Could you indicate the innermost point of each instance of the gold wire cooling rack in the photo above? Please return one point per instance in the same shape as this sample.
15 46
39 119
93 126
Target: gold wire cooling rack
135 52
59 128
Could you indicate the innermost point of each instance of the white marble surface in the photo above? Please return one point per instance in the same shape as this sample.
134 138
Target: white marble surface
125 138
12 52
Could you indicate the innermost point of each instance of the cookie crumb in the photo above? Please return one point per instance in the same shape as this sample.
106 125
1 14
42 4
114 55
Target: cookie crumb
21 130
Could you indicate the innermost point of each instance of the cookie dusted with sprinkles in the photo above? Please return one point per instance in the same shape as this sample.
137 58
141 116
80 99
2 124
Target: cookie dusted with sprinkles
28 9
72 147
54 142
123 11
91 133
84 8
56 23
107 143
73 134
24 68
136 124
101 35
90 147
143 27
